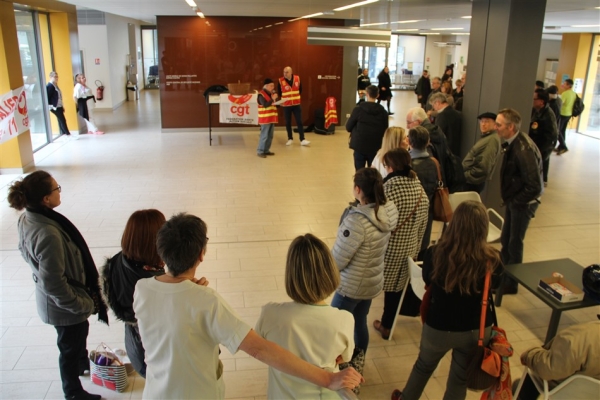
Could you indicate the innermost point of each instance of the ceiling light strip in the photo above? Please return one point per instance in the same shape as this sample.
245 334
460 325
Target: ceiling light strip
361 3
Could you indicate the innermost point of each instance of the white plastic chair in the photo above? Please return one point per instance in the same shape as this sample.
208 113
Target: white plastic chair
415 279
578 387
494 232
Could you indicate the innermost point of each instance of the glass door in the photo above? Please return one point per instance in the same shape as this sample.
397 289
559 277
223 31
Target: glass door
150 57
33 71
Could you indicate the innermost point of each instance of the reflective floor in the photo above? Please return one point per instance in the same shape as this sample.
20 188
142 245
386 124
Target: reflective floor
253 208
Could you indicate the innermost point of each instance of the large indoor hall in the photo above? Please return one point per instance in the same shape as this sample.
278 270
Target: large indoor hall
254 207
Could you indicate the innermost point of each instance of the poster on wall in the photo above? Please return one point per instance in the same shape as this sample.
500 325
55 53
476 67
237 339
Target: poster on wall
13 114
238 109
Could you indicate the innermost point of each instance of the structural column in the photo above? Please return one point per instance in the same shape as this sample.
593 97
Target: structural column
16 155
504 47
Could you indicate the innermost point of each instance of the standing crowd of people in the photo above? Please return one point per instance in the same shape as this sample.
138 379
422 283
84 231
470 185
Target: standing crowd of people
397 173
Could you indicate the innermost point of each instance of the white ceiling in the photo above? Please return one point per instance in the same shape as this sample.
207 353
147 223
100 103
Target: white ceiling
437 13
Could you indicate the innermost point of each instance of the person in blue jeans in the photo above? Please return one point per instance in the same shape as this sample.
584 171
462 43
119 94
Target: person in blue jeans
359 250
267 118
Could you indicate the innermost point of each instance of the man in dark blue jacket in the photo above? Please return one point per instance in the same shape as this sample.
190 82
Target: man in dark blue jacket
366 125
55 102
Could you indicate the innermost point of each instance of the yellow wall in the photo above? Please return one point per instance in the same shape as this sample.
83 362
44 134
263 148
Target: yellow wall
17 153
66 53
573 61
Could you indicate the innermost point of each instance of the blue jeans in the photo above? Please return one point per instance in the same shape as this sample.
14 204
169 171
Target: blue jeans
359 310
516 222
297 111
266 137
361 159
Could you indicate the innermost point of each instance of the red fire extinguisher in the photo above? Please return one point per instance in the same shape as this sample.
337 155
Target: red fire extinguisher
99 90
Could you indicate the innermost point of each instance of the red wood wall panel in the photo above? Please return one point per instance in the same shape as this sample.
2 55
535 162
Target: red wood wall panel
198 55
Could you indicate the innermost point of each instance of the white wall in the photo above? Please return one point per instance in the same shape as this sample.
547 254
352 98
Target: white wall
433 57
109 43
93 42
548 49
118 50
414 48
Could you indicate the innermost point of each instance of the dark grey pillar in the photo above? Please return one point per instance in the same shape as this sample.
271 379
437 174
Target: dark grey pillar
504 47
348 100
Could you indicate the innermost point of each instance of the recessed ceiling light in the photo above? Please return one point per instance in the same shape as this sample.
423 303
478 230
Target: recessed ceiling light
447 29
268 26
278 23
467 17
191 3
409 21
375 23
306 16
200 14
361 3
460 33
406 30
584 26
428 33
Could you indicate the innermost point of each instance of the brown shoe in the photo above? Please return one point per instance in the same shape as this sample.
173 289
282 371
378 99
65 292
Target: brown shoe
269 153
385 333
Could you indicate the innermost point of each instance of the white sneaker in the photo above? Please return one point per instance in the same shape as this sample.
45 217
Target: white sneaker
304 142
289 142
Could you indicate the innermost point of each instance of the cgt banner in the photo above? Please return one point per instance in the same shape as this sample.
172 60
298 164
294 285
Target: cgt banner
238 109
13 114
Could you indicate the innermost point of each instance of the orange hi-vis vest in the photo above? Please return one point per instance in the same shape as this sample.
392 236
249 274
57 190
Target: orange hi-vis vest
291 94
330 112
267 115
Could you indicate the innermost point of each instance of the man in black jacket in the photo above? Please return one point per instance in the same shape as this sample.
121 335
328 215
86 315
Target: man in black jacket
520 187
366 125
449 120
543 129
438 147
423 88
55 103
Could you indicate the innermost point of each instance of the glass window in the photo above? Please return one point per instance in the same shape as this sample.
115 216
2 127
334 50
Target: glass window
32 78
150 58
591 95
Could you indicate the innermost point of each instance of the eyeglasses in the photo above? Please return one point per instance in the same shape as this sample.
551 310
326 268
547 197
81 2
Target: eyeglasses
57 188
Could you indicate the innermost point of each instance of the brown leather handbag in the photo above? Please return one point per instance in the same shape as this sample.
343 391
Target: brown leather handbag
442 211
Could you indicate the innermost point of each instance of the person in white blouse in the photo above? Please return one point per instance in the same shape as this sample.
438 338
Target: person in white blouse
86 103
394 137
182 350
308 326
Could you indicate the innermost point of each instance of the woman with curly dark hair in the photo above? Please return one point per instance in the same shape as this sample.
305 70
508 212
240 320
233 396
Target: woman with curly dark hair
65 276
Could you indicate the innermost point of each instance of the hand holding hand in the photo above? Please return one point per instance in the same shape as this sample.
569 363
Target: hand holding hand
202 281
347 378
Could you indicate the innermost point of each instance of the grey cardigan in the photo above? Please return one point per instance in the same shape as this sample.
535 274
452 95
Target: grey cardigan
53 257
360 248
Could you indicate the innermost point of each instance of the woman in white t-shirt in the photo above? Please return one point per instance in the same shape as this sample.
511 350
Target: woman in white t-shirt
182 350
86 102
308 326
394 137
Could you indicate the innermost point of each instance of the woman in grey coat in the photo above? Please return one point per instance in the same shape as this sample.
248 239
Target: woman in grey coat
66 280
359 249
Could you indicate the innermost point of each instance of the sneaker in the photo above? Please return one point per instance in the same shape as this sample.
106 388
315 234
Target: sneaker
304 142
261 155
99 133
561 151
269 153
396 395
289 142
545 184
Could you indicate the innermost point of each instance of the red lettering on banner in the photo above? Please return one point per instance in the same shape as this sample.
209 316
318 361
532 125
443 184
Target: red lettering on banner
240 110
22 104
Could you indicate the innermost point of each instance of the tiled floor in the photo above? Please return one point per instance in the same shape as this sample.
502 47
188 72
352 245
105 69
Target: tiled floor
253 208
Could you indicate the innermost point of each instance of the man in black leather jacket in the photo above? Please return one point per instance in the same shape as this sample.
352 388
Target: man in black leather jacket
543 129
520 187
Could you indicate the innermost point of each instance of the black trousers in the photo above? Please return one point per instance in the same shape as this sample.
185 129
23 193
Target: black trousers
62 122
390 306
562 131
71 343
297 111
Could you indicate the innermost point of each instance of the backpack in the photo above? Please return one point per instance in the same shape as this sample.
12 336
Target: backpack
455 174
578 106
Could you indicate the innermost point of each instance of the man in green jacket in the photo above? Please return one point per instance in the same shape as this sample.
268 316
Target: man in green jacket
566 111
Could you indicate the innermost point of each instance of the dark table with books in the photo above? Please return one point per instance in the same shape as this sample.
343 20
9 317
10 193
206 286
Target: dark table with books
529 274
